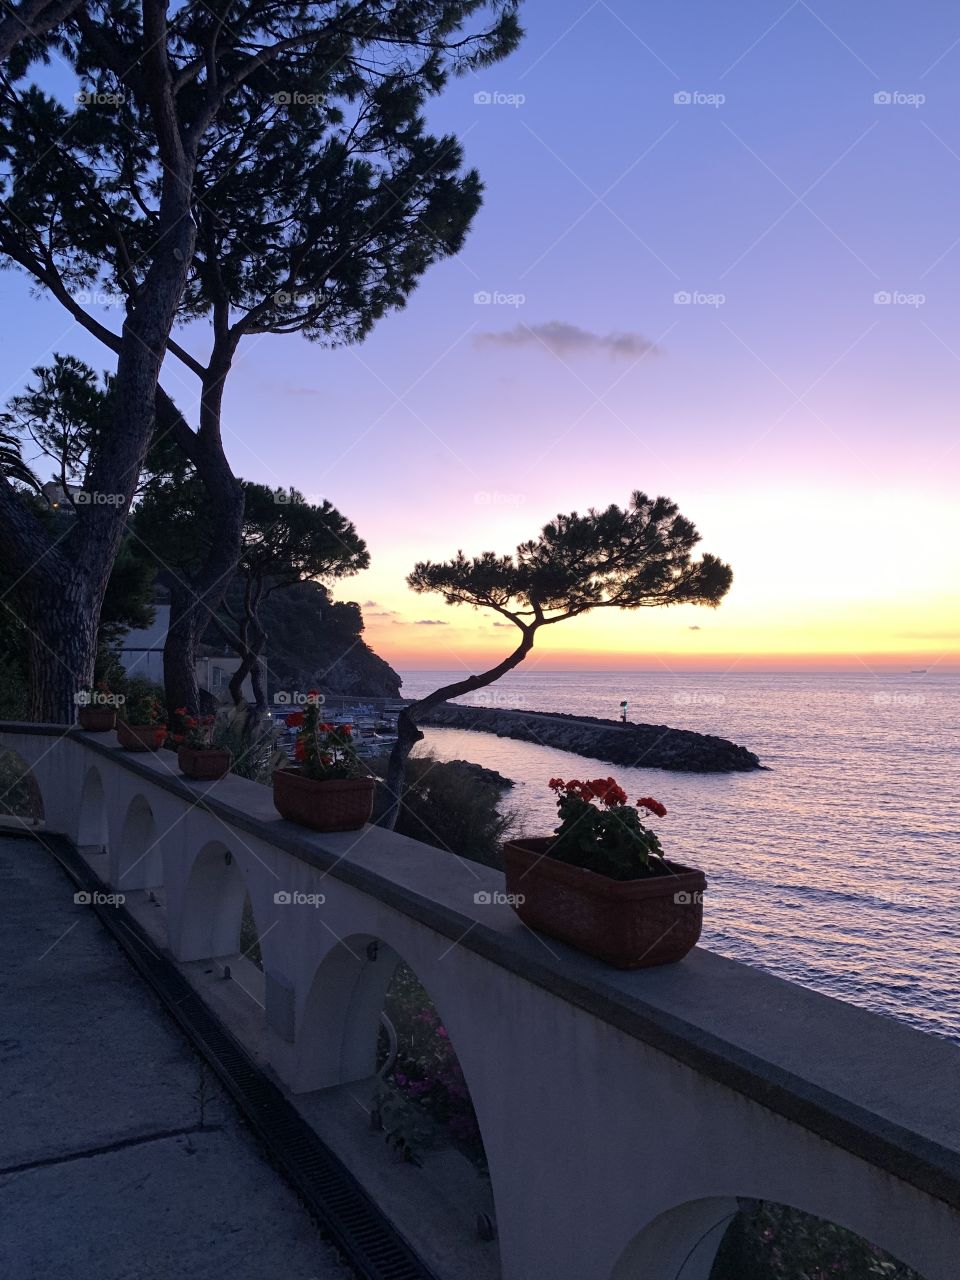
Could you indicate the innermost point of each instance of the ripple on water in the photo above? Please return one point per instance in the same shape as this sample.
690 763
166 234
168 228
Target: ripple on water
837 867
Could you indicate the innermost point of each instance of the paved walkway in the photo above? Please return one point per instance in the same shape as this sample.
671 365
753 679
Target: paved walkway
120 1157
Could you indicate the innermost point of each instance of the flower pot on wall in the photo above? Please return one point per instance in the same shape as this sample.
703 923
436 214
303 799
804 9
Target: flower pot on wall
342 804
97 719
631 924
141 737
203 763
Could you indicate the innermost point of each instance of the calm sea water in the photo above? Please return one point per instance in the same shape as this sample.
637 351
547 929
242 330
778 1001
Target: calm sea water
838 868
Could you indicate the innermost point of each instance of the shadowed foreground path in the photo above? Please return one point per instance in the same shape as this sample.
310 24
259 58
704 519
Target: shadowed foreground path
120 1158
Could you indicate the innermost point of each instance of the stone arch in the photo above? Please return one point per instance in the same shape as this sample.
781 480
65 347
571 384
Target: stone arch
684 1242
212 905
92 826
680 1244
339 1019
135 857
336 1037
336 1044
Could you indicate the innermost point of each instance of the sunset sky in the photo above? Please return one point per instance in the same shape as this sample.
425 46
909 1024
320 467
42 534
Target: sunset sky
809 429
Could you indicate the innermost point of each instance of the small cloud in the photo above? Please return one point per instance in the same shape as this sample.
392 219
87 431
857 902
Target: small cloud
430 622
371 604
383 613
503 624
565 339
694 628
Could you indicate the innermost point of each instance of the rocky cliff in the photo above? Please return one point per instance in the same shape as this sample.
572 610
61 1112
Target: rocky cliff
316 642
647 746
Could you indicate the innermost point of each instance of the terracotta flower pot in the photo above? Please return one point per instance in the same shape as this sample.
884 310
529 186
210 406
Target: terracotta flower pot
344 804
141 737
631 924
203 763
97 719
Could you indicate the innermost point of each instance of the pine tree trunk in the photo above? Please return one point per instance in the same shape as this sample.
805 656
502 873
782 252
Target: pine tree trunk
61 631
180 649
259 692
408 734
193 606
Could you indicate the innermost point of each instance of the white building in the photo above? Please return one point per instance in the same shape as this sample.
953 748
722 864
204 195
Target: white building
142 655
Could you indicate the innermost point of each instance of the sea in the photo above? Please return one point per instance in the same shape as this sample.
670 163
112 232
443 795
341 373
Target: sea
836 866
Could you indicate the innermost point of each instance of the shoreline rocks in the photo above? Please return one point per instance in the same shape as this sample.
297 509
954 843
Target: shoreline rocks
644 746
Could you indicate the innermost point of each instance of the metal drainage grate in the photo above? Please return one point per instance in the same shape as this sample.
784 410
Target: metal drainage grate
330 1191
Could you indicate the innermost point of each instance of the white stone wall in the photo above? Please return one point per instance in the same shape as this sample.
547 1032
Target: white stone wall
610 1159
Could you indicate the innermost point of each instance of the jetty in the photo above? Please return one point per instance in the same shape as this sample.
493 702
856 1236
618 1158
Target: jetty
642 746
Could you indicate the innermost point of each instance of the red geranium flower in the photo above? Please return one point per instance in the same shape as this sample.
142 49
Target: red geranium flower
648 802
295 719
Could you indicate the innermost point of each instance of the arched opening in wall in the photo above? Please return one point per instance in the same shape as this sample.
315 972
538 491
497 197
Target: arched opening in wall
137 858
424 1099
379 1076
20 800
92 818
768 1241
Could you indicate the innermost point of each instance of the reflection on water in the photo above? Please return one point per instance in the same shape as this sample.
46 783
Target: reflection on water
837 868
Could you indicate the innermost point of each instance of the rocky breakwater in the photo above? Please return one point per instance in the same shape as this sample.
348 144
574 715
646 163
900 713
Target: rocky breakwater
645 746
